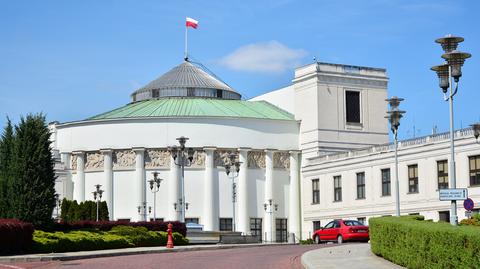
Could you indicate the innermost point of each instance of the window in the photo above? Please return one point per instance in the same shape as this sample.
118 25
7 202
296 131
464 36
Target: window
442 174
474 170
336 224
190 91
157 219
155 94
316 225
413 214
191 220
444 216
256 227
315 191
361 185
329 225
362 220
337 188
226 224
352 223
123 220
281 230
219 93
386 182
352 104
413 178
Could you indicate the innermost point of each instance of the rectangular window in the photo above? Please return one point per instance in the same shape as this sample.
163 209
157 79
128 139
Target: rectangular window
352 104
190 91
474 170
157 219
281 230
191 220
386 182
219 93
413 178
361 185
256 227
316 225
444 216
226 224
442 174
337 188
315 191
362 220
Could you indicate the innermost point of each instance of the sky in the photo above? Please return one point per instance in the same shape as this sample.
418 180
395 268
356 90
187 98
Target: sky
75 59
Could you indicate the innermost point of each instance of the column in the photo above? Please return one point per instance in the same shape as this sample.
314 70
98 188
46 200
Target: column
108 173
67 188
269 218
79 185
173 191
294 196
140 181
210 193
242 195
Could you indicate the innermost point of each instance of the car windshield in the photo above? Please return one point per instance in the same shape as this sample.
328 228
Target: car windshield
352 223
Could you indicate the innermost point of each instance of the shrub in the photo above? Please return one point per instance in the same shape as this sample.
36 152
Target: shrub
309 241
15 236
414 243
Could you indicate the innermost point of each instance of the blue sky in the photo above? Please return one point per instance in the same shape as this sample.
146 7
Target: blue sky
75 59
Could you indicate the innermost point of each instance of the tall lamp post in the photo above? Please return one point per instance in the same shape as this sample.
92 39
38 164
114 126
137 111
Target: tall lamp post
269 207
97 194
154 188
182 157
232 168
394 115
447 73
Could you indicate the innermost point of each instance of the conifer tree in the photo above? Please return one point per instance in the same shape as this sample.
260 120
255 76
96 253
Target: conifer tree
6 152
32 172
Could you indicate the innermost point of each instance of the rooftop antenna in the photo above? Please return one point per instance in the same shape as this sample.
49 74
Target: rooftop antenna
434 129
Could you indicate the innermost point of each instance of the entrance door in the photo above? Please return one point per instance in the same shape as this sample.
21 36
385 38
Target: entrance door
256 227
281 230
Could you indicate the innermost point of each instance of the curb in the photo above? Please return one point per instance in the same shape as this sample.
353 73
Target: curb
69 256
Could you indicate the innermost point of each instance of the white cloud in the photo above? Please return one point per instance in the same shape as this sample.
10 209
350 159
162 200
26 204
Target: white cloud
268 57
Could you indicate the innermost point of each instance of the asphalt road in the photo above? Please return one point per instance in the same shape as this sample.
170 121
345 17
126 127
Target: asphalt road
278 257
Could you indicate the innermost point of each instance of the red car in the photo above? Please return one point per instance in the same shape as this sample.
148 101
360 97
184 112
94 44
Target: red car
341 231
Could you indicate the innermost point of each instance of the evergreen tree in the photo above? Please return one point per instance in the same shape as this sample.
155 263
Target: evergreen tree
6 152
65 210
103 209
32 172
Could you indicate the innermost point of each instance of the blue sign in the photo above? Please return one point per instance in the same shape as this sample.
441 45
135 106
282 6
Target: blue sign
468 204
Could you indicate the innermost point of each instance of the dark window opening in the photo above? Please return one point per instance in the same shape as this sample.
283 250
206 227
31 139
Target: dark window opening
316 225
226 224
474 163
256 227
191 220
361 185
386 188
444 216
281 230
219 93
337 188
413 178
352 102
315 191
442 174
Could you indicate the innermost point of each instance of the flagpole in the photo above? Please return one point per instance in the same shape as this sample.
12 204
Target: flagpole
186 43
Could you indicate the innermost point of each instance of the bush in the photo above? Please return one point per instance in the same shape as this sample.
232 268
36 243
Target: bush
72 211
15 236
411 242
309 241
118 237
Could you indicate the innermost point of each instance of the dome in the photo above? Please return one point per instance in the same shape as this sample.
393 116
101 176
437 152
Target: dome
186 80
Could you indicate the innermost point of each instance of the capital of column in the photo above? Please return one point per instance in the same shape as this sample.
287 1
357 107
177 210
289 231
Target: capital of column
294 152
138 150
209 149
244 149
106 151
78 153
270 150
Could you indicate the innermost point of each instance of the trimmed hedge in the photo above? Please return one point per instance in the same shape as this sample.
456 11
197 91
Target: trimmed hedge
178 227
118 237
414 243
15 236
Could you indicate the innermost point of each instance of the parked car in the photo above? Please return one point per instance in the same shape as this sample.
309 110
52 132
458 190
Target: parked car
341 231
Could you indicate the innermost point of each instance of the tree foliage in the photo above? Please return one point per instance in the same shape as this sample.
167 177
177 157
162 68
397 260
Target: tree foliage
6 152
72 211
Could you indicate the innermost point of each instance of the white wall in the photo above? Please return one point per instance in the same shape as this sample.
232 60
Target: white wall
284 98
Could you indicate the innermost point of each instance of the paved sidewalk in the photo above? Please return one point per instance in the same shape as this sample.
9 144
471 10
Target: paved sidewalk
356 256
121 252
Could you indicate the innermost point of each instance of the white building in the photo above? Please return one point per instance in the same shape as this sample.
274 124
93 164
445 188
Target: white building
329 108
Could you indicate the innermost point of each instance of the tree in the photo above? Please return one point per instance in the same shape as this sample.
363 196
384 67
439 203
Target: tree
6 152
32 172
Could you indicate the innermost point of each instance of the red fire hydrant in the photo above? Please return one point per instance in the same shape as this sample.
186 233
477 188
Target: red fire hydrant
169 236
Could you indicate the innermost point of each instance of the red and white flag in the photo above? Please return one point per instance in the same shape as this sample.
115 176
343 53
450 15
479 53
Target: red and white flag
192 23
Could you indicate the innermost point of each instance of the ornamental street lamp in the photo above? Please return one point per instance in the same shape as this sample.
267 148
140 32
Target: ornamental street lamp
154 188
394 115
476 130
142 210
182 157
232 167
269 207
97 194
58 204
447 73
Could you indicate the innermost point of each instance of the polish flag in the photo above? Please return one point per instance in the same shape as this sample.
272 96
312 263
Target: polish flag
192 23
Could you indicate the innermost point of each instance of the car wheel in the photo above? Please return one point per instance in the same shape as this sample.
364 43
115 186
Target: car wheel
317 239
340 239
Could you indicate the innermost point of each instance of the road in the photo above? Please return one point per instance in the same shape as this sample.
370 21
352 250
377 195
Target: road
278 257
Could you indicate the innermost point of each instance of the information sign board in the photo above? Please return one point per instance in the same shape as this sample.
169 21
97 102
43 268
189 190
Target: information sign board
453 194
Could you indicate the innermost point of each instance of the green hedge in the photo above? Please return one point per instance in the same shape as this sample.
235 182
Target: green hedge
414 243
118 237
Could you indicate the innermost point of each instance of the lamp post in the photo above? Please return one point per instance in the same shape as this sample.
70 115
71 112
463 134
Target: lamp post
447 73
394 115
269 207
476 130
182 157
154 188
97 194
232 168
58 204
